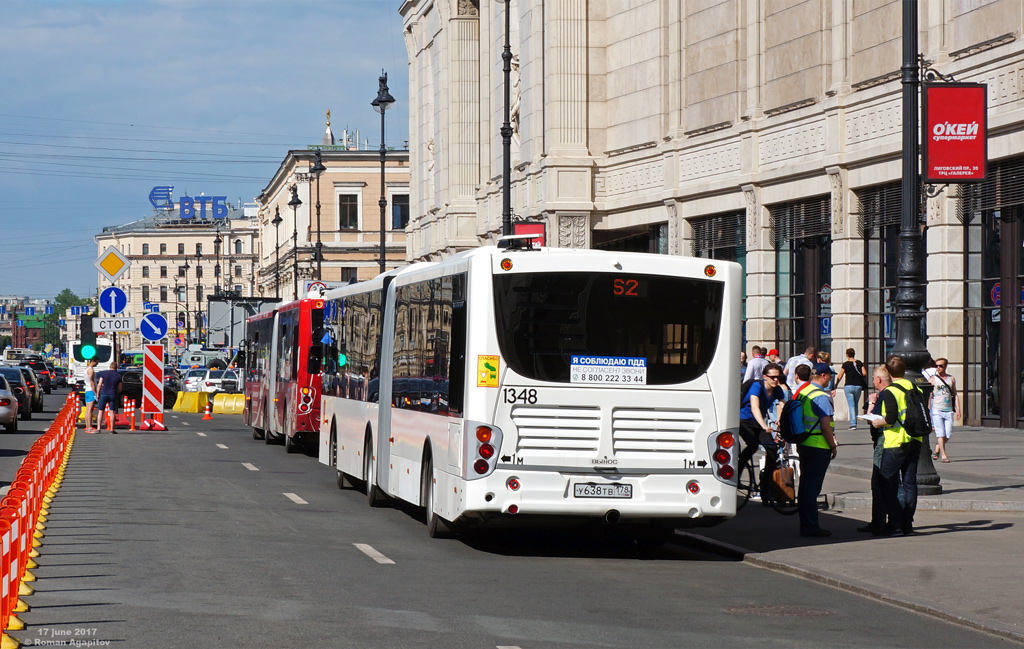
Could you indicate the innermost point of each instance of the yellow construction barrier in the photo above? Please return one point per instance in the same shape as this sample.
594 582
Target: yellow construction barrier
228 404
191 402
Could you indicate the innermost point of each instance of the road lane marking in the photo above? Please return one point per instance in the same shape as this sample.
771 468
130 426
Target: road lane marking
201 434
221 446
249 466
185 423
501 646
295 499
373 554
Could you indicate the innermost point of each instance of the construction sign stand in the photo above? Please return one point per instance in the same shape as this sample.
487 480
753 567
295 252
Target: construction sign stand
153 387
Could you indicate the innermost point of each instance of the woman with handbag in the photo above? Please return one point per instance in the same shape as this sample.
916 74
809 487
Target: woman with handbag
856 382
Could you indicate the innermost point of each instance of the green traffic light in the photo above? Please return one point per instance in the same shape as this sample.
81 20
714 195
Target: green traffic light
88 352
342 360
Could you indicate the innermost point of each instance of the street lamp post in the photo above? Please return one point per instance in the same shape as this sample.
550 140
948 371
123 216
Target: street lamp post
199 326
506 134
216 269
909 273
381 104
277 252
184 290
317 169
294 203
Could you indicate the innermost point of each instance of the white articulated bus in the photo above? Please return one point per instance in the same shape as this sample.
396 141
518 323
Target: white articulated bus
514 383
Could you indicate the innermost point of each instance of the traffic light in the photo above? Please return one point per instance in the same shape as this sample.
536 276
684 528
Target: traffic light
85 350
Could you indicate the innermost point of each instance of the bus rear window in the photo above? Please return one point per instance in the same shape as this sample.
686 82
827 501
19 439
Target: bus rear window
543 319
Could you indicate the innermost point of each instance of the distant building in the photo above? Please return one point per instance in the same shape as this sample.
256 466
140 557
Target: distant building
349 222
177 263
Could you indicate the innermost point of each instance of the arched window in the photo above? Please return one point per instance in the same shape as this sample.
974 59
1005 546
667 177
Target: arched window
238 246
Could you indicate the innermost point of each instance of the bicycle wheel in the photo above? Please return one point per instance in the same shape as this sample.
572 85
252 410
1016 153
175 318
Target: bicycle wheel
747 485
783 489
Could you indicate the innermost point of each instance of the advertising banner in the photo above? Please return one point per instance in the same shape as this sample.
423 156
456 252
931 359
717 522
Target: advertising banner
955 138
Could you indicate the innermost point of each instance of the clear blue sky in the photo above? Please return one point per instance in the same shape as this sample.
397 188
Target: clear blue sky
101 100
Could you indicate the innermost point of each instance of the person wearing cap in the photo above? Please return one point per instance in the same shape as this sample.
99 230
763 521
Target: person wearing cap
773 357
817 451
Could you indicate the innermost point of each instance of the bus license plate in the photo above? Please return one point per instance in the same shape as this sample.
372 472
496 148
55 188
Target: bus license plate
603 490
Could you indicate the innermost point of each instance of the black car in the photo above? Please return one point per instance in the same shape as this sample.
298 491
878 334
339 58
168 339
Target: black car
35 388
131 387
20 389
61 377
42 373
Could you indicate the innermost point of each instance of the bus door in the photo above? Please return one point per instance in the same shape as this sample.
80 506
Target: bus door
273 367
382 434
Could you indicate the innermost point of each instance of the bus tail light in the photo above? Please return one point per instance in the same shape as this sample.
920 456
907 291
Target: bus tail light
306 396
482 446
723 458
512 484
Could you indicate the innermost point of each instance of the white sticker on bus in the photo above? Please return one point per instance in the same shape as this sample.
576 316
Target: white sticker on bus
611 370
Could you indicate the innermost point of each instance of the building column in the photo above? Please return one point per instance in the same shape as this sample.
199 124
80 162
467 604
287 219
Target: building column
760 277
847 278
944 272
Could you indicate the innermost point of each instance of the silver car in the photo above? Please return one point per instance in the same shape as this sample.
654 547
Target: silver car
8 406
193 380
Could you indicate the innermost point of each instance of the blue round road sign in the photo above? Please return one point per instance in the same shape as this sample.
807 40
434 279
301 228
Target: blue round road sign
113 300
153 327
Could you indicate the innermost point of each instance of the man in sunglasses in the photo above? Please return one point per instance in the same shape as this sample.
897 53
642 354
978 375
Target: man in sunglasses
754 429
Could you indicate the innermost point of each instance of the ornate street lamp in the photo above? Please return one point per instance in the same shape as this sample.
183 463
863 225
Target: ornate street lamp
216 269
277 252
910 291
317 169
381 104
294 203
506 134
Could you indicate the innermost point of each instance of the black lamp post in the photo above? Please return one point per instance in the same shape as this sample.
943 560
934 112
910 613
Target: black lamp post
277 252
317 169
199 326
909 273
184 290
216 269
294 203
506 133
381 104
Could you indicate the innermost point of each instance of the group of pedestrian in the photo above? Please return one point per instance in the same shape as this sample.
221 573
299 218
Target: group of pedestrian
810 378
101 389
802 379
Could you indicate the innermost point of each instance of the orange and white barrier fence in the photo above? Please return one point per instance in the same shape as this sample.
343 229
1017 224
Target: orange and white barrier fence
23 515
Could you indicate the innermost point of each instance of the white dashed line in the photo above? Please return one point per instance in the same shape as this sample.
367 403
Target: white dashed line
295 499
201 434
501 646
373 554
249 466
185 423
221 446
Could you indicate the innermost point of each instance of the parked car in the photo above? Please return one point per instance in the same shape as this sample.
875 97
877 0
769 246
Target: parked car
35 390
192 379
20 388
8 406
219 381
131 387
42 373
172 378
61 376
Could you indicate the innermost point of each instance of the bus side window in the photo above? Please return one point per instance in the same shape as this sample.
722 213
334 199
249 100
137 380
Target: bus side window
457 359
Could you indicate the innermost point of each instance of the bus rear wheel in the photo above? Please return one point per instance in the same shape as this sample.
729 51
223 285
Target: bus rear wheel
437 528
373 493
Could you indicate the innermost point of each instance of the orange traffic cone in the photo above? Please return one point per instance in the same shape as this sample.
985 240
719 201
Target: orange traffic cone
209 411
109 417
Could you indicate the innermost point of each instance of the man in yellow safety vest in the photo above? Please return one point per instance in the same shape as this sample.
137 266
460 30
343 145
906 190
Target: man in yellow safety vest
900 453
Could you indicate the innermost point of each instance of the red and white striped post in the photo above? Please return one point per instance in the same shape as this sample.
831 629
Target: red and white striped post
153 386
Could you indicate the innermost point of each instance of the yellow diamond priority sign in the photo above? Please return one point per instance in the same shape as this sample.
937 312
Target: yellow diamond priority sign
112 264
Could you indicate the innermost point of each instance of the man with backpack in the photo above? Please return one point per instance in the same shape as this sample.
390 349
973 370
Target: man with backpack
817 448
758 397
905 421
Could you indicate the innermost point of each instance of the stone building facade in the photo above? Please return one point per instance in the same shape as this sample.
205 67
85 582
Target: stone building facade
178 264
349 222
762 131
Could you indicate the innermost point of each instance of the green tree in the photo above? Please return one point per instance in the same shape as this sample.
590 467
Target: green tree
61 305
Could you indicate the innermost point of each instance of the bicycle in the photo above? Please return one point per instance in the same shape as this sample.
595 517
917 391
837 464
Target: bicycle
780 497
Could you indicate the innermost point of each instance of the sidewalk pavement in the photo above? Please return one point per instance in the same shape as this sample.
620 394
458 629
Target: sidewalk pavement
965 562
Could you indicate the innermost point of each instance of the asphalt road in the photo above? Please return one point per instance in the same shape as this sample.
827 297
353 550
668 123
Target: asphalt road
204 537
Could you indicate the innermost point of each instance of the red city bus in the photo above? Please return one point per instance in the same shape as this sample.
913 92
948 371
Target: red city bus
283 353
